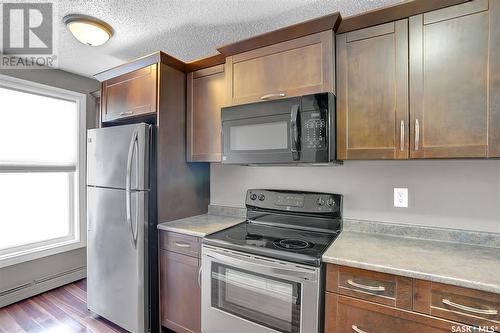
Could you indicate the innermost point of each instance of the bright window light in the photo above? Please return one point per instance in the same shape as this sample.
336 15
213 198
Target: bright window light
42 159
35 207
38 129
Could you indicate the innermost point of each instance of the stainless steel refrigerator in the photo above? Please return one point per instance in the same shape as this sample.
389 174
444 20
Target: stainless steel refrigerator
120 224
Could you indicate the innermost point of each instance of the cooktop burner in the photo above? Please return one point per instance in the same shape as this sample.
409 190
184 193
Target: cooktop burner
292 226
295 244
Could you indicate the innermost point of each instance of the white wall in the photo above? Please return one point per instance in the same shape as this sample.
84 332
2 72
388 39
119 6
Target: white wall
16 275
461 194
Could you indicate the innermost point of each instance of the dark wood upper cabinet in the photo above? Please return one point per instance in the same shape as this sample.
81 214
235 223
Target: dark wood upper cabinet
295 67
372 92
454 81
130 95
206 94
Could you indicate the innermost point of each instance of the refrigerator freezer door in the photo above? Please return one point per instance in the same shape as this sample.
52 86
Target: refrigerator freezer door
110 150
117 276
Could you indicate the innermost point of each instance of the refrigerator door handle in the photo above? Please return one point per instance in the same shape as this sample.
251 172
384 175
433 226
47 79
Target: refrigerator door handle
135 233
128 189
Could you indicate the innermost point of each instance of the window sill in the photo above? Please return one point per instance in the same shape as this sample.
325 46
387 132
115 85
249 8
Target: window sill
40 252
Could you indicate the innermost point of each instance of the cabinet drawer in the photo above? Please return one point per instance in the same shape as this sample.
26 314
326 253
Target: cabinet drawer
349 315
372 286
184 244
129 95
464 305
296 67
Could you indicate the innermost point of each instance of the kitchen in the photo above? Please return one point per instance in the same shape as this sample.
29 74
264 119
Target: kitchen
332 168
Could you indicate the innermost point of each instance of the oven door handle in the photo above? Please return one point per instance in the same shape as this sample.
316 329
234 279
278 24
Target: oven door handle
233 260
295 132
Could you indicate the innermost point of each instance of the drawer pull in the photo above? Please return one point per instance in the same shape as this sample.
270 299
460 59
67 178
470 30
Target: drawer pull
357 330
268 96
469 309
365 287
182 244
126 113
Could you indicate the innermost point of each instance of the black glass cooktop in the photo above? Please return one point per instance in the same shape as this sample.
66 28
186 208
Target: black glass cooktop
286 225
301 246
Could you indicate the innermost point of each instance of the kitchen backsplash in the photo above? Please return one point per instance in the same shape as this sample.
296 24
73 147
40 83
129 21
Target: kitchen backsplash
458 194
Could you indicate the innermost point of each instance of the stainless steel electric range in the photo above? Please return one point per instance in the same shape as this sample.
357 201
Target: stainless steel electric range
265 274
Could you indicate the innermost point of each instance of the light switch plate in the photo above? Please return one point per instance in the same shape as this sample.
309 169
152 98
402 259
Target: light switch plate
401 197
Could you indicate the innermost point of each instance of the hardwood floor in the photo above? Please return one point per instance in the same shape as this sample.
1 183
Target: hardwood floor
62 310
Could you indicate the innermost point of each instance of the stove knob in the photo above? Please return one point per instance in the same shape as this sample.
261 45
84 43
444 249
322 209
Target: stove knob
330 202
261 197
320 201
253 196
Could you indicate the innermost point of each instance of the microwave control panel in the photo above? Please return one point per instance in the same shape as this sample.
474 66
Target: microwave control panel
314 129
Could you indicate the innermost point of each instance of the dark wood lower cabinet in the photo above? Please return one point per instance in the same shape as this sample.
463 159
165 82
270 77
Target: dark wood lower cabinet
347 315
374 302
180 294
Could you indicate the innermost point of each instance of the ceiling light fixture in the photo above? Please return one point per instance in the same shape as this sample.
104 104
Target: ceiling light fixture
88 30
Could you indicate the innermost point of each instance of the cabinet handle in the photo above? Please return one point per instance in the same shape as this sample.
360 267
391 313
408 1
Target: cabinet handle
268 96
469 309
365 287
182 244
357 330
199 277
126 113
402 135
417 134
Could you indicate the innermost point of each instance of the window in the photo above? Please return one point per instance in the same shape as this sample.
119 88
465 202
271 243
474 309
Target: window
42 170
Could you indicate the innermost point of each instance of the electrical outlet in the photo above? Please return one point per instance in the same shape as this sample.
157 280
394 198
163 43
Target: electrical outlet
401 197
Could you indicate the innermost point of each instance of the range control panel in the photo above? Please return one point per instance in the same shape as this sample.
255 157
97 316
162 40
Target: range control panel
294 201
314 129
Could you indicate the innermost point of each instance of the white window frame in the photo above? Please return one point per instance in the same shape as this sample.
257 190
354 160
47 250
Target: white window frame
78 239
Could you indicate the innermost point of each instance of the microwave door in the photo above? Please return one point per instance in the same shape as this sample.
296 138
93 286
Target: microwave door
263 139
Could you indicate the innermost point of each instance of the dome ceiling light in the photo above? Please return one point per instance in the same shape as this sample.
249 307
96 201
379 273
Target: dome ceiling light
88 30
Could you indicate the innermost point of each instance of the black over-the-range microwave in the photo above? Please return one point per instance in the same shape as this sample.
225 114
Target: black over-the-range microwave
291 130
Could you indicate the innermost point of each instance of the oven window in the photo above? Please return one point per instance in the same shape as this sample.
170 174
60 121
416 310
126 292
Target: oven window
271 302
261 136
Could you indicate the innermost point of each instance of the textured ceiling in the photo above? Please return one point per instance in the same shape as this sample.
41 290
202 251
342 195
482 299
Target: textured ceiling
185 29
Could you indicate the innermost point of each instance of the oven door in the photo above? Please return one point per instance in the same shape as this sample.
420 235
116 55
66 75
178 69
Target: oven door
245 293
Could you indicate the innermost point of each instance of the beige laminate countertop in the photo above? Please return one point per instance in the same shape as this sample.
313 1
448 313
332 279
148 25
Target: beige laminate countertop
200 225
476 267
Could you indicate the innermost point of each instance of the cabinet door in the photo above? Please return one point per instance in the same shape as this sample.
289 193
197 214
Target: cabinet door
129 95
372 99
453 51
296 67
206 94
180 294
348 315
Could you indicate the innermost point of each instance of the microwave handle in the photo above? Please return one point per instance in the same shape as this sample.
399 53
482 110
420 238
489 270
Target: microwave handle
295 132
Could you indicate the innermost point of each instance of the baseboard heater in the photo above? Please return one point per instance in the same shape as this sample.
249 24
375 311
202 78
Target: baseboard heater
41 285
